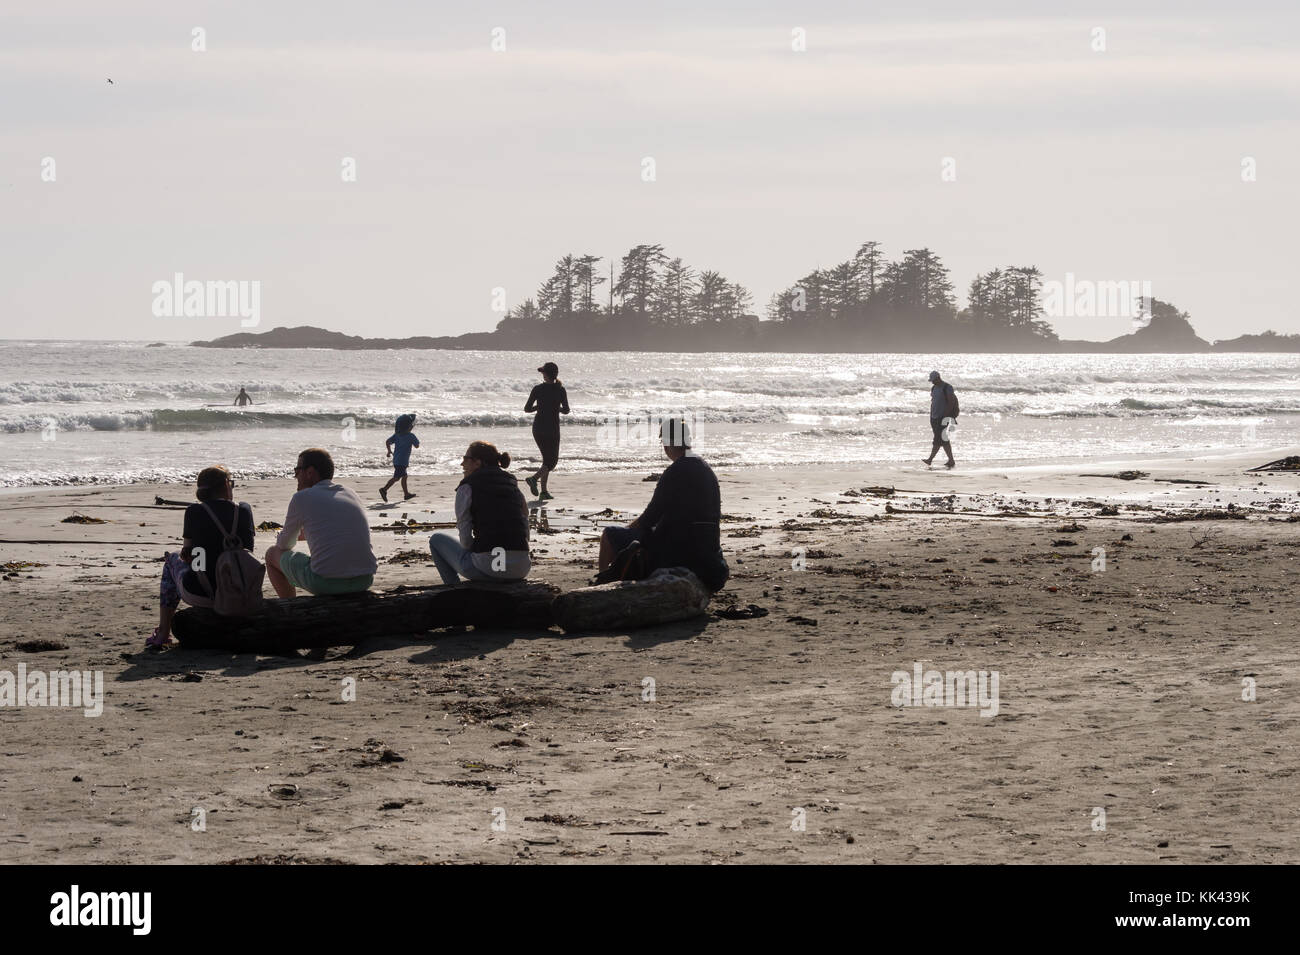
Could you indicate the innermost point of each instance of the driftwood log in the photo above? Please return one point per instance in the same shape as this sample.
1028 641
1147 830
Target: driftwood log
669 594
304 623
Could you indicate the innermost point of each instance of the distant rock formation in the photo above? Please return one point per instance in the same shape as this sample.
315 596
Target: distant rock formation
1169 331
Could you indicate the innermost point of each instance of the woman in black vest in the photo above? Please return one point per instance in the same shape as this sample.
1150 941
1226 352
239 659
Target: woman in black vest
492 520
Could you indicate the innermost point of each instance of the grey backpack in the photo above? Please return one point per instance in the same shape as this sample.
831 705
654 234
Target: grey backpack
238 574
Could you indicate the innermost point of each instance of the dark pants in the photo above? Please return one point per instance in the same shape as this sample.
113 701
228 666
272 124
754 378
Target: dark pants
548 443
936 424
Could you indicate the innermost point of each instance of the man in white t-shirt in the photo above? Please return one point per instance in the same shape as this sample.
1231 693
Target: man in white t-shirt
333 522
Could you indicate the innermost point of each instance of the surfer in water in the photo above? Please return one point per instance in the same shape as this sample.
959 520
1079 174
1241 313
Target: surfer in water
242 398
548 401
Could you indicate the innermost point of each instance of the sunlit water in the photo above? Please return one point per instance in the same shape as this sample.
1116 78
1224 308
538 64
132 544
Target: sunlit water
77 412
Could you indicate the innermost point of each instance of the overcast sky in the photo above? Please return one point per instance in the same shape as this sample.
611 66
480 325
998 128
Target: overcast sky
478 169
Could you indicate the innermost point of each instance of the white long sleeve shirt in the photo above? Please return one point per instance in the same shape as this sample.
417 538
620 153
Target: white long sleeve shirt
337 530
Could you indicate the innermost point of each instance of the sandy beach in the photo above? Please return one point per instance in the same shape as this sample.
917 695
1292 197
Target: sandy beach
770 734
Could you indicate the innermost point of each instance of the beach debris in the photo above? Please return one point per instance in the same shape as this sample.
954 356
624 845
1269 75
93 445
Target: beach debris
911 608
988 560
1108 510
480 711
1183 481
556 819
410 557
1065 542
14 566
1289 463
746 532
283 790
802 621
1070 528
166 503
82 519
40 645
389 756
652 478
411 525
1121 475
830 514
269 526
741 613
393 804
286 860
1232 513
873 491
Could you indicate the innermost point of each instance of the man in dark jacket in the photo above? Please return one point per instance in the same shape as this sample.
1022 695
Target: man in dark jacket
681 525
943 411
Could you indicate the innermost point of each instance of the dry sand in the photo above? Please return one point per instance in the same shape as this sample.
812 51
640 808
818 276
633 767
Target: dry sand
1119 689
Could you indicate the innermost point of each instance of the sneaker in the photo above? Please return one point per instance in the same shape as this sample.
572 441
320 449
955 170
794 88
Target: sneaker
927 461
532 484
407 497
950 465
546 496
383 492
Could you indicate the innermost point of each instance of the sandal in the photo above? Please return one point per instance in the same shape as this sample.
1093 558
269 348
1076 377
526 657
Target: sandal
156 641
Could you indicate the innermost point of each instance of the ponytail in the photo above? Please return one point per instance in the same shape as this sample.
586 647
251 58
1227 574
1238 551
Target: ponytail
487 455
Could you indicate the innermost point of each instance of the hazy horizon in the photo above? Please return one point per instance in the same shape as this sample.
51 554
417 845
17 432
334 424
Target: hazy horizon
477 169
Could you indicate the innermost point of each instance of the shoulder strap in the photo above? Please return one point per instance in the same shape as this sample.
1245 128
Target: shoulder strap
227 535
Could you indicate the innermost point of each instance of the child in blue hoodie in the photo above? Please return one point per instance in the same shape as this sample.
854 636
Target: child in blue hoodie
399 449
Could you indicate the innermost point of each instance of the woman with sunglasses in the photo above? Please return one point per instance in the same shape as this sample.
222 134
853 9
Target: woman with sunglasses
188 575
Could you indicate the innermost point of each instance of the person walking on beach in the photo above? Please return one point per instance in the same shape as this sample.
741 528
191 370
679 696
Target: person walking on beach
333 522
681 525
399 449
242 398
943 414
549 400
188 574
491 521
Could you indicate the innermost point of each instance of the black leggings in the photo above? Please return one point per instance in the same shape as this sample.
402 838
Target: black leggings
549 445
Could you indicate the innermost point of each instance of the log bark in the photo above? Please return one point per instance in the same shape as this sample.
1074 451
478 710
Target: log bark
667 595
304 623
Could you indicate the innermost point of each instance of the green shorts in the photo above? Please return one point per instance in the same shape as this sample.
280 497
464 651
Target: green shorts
297 568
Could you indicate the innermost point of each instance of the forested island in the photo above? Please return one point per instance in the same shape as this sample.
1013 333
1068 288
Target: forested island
864 304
